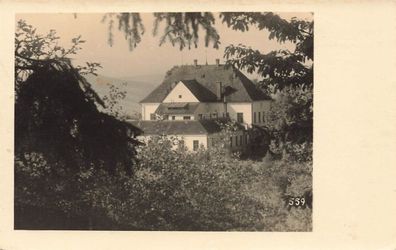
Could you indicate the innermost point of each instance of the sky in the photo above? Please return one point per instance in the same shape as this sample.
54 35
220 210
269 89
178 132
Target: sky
148 58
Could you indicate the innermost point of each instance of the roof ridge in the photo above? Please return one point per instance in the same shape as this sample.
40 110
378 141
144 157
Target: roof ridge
201 79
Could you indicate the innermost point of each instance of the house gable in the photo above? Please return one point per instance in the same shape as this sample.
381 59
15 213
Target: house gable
180 93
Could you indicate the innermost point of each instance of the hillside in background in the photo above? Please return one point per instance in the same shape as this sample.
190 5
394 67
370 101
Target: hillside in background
136 87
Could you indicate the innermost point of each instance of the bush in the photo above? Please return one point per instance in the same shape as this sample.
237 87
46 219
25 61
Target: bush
170 190
181 190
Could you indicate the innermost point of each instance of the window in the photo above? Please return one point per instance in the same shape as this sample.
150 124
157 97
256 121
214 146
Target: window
240 140
199 116
227 115
181 144
231 141
166 117
254 117
186 117
195 145
173 117
259 117
240 117
152 116
236 141
180 96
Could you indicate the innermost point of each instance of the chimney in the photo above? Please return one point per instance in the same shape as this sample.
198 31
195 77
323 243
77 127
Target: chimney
195 62
217 62
219 90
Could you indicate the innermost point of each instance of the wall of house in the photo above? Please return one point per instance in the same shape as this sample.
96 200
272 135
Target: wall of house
245 108
147 109
248 110
188 140
210 108
240 140
180 93
232 109
260 107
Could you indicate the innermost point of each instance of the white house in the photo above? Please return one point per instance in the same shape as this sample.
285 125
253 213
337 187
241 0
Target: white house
193 133
192 97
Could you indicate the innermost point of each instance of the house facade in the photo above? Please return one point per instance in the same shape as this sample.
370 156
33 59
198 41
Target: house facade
192 98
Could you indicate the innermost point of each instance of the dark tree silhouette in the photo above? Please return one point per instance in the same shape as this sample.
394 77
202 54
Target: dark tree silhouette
56 106
60 136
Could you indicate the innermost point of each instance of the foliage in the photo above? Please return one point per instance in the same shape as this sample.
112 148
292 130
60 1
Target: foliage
53 116
279 181
170 190
129 23
297 31
112 101
289 123
190 191
286 74
282 68
180 28
56 106
279 69
59 132
207 190
48 197
183 28
33 50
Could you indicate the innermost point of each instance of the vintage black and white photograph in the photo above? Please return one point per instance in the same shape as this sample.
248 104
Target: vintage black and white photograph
164 121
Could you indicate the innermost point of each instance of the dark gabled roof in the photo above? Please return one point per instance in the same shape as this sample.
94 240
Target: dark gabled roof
200 92
188 127
171 109
202 79
253 91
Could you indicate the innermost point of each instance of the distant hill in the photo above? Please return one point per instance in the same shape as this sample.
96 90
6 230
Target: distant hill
154 78
136 87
